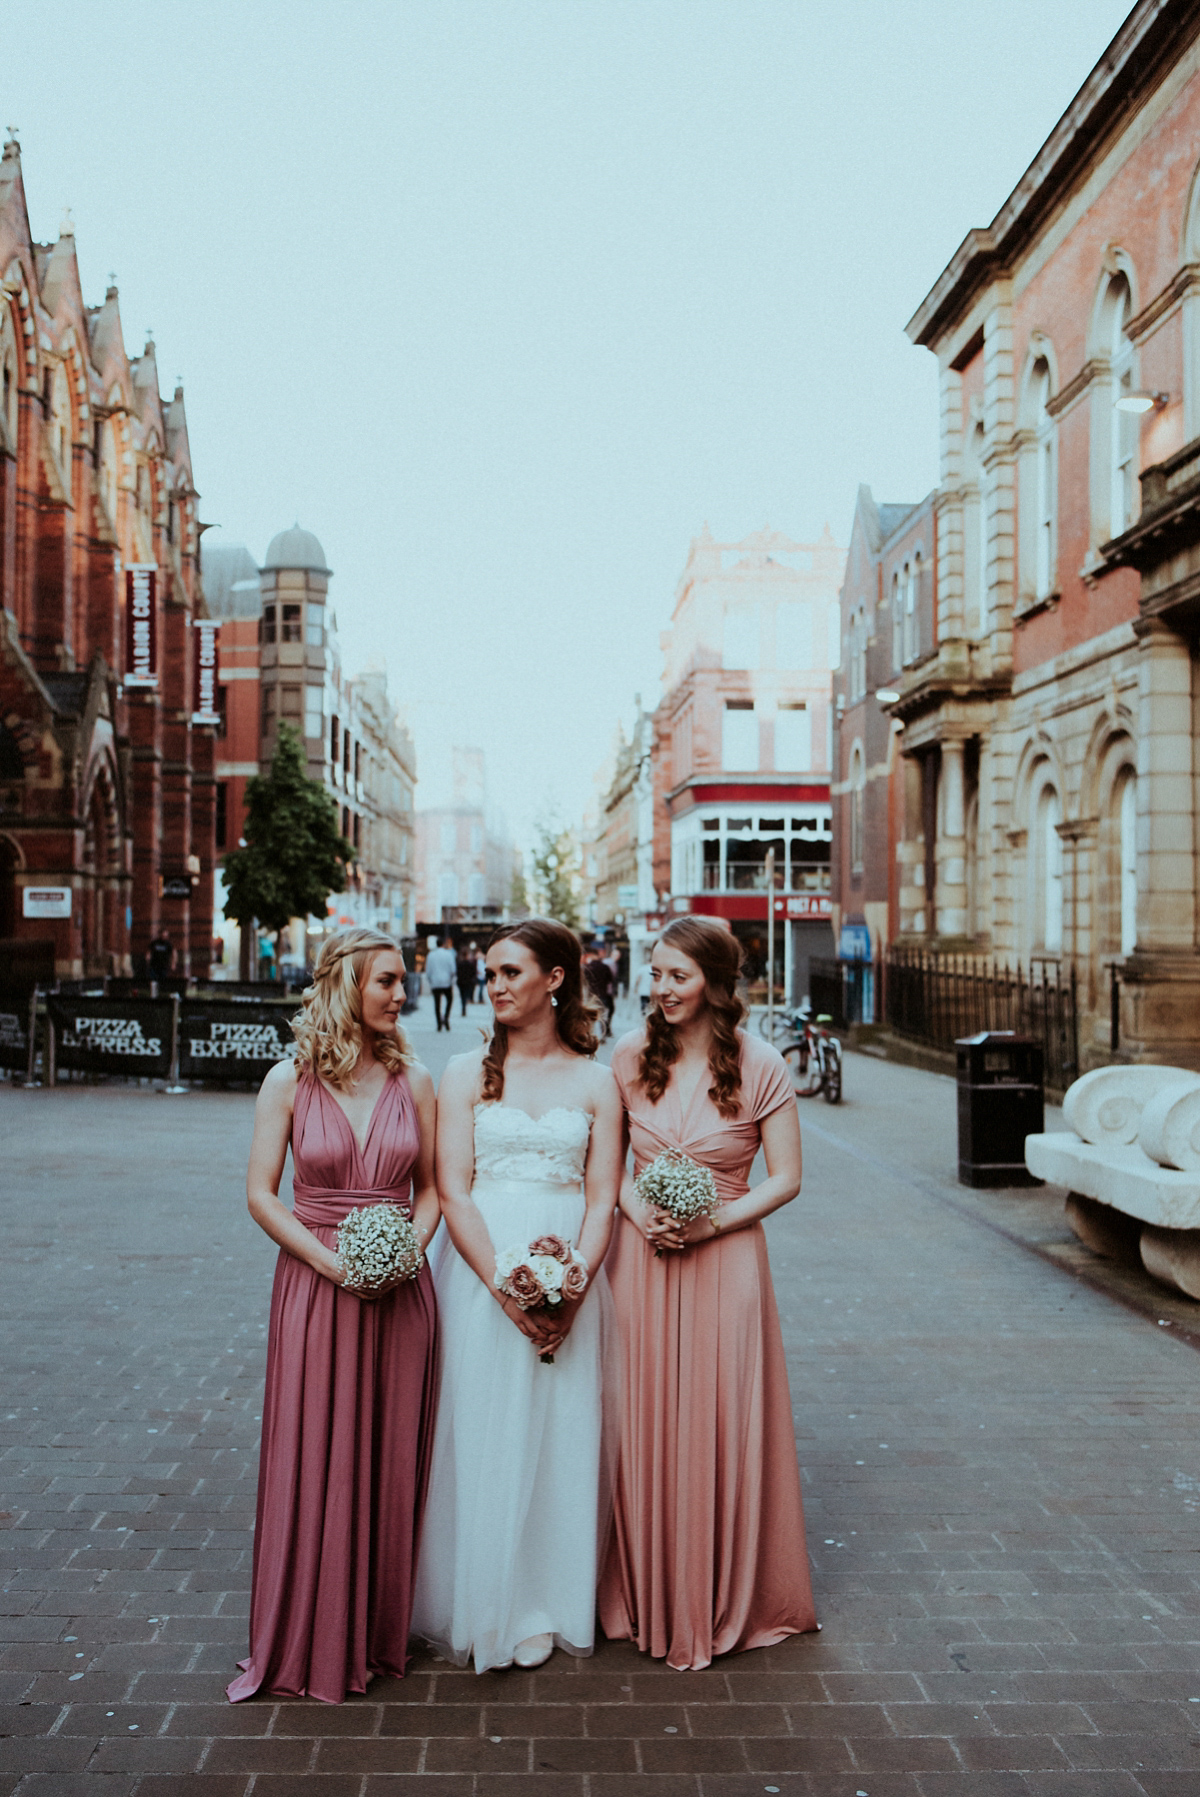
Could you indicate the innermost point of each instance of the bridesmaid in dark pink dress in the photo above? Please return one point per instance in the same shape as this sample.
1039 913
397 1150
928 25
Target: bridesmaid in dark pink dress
348 1412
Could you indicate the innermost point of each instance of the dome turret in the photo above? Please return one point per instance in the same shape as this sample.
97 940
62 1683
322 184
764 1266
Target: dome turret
296 548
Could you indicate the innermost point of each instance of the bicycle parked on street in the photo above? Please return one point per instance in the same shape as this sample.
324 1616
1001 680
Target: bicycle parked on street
811 1050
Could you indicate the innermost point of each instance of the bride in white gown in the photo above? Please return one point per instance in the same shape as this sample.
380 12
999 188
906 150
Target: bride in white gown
529 1143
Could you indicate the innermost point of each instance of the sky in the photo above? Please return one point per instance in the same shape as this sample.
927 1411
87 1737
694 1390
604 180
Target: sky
506 301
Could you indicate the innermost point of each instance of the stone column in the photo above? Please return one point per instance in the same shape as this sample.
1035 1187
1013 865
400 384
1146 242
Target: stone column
951 890
1160 1017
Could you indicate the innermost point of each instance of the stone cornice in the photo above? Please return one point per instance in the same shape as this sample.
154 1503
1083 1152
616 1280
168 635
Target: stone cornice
1152 35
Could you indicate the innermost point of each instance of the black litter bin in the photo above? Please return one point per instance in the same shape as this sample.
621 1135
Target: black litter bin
1000 1102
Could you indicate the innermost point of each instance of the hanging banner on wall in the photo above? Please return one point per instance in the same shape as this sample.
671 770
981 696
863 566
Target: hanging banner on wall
205 632
141 625
233 1041
129 1036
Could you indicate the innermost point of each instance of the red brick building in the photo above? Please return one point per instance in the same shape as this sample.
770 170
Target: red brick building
106 777
1054 721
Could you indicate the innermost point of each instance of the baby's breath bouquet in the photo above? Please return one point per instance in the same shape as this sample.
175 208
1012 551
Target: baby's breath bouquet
677 1184
377 1246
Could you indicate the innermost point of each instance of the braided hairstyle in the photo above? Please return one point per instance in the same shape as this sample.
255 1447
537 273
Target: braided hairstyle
329 1029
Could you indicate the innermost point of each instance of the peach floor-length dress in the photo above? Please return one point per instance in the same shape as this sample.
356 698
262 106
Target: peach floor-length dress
347 1425
708 1553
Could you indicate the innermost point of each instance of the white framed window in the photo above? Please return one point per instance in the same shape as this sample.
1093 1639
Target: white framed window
912 622
314 626
975 534
857 788
1048 887
475 890
314 712
793 739
897 624
447 890
739 647
1124 428
1046 487
793 636
739 737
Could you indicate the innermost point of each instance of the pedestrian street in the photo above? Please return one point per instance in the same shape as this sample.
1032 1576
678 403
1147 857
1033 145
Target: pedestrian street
1000 1460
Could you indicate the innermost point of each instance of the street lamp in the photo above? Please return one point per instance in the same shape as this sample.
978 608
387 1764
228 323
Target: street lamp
885 696
1144 400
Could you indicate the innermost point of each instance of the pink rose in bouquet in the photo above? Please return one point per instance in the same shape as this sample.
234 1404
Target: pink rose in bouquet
541 1276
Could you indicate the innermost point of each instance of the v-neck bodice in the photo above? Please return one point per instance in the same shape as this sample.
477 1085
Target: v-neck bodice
334 1173
727 1145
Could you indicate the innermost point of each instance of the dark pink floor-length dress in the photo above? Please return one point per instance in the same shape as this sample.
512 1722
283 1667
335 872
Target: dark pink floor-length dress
708 1553
347 1426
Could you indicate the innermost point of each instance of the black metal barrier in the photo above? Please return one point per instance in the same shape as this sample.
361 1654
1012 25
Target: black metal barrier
239 1040
128 1036
16 1009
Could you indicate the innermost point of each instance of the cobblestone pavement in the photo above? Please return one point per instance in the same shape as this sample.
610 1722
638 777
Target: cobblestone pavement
1001 1470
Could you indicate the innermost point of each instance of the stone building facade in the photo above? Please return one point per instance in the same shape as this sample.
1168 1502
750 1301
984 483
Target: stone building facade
743 738
887 621
106 769
281 660
1054 722
466 862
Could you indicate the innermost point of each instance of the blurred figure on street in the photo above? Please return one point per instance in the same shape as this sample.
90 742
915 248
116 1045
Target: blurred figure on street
440 970
480 975
465 977
643 984
161 958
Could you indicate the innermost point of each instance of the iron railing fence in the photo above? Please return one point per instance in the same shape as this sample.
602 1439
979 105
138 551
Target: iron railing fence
937 998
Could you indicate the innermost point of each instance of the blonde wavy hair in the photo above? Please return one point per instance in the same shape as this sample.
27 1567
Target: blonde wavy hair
329 1030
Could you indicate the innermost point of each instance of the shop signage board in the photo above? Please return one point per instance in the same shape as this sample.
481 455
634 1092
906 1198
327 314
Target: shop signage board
46 901
175 886
141 625
237 1041
128 1036
205 632
810 904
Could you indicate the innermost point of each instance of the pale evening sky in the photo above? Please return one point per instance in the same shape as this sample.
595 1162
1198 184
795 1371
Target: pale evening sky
504 301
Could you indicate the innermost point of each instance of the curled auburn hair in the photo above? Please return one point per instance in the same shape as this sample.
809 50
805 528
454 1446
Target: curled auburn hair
329 1030
718 955
551 945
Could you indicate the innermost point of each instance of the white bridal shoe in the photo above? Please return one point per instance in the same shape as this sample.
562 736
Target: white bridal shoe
534 1652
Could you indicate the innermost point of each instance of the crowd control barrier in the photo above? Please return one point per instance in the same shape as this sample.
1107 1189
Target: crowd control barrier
128 1036
240 1040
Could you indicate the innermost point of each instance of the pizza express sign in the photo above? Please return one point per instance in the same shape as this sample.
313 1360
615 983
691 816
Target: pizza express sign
233 1041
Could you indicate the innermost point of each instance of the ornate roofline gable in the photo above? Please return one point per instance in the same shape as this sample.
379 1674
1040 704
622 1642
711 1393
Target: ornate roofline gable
62 291
178 445
147 399
14 208
109 355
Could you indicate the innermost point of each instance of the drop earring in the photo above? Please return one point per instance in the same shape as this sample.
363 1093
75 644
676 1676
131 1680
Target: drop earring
553 1001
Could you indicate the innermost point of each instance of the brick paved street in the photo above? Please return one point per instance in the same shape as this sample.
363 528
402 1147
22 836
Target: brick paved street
1001 1467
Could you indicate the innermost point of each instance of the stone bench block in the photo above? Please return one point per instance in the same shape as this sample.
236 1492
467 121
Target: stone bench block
1106 1105
1173 1255
1170 1126
1120 1176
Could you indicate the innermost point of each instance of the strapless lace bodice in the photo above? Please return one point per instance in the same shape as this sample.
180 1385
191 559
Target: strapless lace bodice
510 1144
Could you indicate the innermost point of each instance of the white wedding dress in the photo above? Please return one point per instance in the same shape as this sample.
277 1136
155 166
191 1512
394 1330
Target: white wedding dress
520 1488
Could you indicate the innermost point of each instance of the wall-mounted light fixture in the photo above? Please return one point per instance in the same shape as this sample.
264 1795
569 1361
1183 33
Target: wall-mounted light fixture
885 696
1144 400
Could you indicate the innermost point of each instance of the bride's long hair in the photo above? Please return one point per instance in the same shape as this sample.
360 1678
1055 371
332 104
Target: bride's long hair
551 945
329 1030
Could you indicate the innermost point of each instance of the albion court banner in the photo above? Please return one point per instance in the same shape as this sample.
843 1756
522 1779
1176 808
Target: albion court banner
130 1036
237 1041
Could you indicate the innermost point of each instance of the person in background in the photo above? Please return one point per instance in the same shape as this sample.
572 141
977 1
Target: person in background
480 975
614 962
440 969
465 977
598 974
643 984
161 958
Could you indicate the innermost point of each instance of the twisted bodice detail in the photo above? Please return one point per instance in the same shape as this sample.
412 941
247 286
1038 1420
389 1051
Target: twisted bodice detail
550 1149
334 1174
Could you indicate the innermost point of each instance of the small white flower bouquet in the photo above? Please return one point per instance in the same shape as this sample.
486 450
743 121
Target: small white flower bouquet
675 1183
377 1247
540 1275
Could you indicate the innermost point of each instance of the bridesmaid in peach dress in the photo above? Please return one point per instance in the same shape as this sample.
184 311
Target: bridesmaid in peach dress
348 1410
708 1553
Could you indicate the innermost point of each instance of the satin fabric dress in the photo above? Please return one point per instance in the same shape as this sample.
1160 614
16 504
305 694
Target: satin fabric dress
347 1425
521 1481
707 1554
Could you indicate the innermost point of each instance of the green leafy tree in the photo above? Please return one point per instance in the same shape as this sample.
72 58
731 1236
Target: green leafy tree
555 861
294 854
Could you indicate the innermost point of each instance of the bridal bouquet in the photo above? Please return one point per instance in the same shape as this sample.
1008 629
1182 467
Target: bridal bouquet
541 1275
376 1246
675 1183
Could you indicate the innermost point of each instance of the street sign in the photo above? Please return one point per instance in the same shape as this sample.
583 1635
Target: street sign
46 901
204 670
141 625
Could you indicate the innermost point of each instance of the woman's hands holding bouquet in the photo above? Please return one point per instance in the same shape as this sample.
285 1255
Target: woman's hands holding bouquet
663 1231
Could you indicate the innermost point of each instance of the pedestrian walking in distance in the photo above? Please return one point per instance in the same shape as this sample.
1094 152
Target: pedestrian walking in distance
348 1411
529 1158
708 1553
465 977
440 971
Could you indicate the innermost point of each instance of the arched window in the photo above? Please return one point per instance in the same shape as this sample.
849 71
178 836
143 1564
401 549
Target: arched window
1124 427
1045 486
857 785
897 624
1048 883
9 364
1129 881
107 472
975 535
60 422
912 622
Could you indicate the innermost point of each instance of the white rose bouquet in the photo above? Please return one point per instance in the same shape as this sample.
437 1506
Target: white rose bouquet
675 1183
377 1246
541 1275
